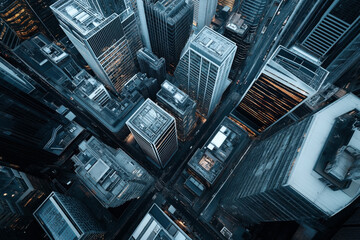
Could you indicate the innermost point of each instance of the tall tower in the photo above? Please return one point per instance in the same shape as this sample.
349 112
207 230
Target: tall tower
8 37
229 3
155 132
203 70
111 175
169 23
286 81
101 41
306 171
252 11
238 31
151 64
180 106
204 11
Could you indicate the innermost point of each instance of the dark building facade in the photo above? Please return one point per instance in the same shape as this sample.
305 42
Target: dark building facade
33 134
169 24
252 12
151 65
238 31
8 37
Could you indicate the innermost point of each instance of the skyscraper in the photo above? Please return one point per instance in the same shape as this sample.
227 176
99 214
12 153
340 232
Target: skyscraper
238 31
309 170
101 41
285 82
180 106
19 16
111 175
203 70
204 11
64 217
229 3
252 11
33 135
151 64
155 132
169 23
105 7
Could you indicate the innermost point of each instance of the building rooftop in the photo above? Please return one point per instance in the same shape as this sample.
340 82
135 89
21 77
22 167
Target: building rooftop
302 178
299 69
177 99
62 137
237 24
213 45
150 120
209 161
108 172
157 225
150 57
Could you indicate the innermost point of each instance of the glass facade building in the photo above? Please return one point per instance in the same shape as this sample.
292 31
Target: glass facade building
203 70
101 41
169 24
285 82
155 131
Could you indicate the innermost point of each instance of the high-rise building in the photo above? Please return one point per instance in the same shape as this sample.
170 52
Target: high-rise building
20 17
203 70
33 134
8 37
252 11
169 23
64 217
151 65
105 7
180 106
238 31
204 11
157 225
308 170
155 132
20 195
101 41
41 9
285 82
111 175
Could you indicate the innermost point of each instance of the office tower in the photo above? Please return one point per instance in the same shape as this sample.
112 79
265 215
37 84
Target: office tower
157 225
203 70
8 38
155 132
111 175
19 16
33 135
180 106
285 82
41 9
228 3
64 217
238 31
309 170
252 12
204 11
20 195
169 24
101 41
151 65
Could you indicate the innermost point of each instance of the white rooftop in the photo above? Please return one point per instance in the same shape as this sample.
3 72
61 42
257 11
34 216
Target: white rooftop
302 177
